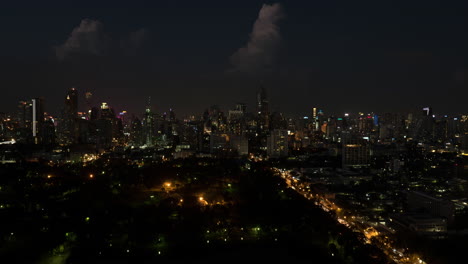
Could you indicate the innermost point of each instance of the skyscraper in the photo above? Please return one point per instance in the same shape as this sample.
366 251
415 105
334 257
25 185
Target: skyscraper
71 102
88 96
69 115
37 119
30 119
148 125
263 110
355 150
277 143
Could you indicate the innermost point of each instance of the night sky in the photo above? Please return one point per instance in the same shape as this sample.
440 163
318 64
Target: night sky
188 55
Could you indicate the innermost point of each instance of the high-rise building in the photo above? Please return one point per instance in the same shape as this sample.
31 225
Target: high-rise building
355 150
172 116
241 107
148 125
277 143
68 133
314 119
240 144
236 122
24 114
218 142
30 120
263 110
48 132
89 105
136 132
37 119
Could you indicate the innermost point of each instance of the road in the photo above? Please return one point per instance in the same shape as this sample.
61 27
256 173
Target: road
355 222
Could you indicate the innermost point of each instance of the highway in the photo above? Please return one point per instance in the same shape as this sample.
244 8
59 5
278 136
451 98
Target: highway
355 222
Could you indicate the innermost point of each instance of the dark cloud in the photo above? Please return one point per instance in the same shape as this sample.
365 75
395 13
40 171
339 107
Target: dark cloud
260 51
88 38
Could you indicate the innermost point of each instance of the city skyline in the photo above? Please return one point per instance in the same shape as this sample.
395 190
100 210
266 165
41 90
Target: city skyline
85 100
230 131
351 57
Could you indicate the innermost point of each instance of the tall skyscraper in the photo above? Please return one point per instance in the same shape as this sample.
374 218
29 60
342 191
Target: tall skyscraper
30 120
277 143
69 115
89 106
148 125
355 150
24 114
263 110
71 103
241 107
37 119
136 132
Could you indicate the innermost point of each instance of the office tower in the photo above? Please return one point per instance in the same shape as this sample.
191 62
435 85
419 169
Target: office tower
124 119
148 125
332 129
241 107
37 119
88 98
172 116
236 122
277 143
425 126
71 103
240 144
48 132
277 121
69 115
24 130
103 133
391 127
263 110
365 124
218 142
453 127
136 132
106 112
315 119
355 150
214 120
30 120
103 128
24 114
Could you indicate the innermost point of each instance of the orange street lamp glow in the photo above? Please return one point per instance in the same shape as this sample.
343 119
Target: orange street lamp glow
91 176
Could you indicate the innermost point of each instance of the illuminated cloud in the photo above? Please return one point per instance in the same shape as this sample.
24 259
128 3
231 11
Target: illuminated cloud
260 51
87 38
